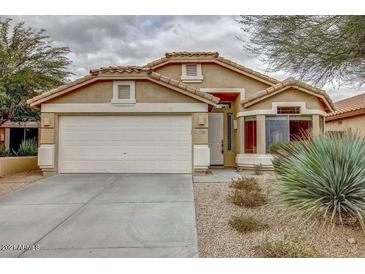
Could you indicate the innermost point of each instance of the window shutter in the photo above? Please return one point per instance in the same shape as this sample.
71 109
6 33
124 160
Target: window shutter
124 92
191 70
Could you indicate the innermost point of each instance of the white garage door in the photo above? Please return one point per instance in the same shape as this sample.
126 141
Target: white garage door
125 144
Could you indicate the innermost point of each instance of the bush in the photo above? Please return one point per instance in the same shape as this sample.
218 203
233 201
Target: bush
246 224
4 152
324 176
247 193
275 147
289 247
244 182
27 148
257 169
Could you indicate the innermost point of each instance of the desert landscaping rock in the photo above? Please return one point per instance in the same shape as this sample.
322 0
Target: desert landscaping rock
12 182
216 238
352 241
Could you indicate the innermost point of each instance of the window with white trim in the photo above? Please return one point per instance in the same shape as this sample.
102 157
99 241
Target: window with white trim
191 72
124 92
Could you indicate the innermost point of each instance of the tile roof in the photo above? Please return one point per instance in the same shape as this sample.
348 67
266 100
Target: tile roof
213 56
181 85
248 70
191 53
120 69
289 82
348 105
143 70
61 88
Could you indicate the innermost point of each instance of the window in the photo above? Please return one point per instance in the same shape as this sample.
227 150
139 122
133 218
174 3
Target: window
250 135
124 92
285 128
299 126
191 72
288 110
229 131
18 135
223 106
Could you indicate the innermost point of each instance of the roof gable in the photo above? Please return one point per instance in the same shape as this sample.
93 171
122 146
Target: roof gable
210 57
124 72
285 85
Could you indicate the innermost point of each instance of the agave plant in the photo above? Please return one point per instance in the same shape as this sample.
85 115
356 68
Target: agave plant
324 176
4 152
27 148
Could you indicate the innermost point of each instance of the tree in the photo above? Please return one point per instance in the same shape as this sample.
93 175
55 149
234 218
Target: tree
29 63
317 49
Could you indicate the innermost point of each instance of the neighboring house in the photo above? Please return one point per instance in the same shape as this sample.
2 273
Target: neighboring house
348 117
13 133
182 113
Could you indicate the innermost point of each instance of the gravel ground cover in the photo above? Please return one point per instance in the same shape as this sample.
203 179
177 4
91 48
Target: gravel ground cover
216 238
11 182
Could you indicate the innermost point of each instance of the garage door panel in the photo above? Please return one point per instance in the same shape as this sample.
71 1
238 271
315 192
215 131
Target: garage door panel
125 144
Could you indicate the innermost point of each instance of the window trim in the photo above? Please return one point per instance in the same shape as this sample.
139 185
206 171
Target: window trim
192 79
297 110
288 118
132 98
250 119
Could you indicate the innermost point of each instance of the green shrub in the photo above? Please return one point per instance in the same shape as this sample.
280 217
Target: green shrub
4 152
275 147
247 193
257 169
324 176
246 224
27 148
289 247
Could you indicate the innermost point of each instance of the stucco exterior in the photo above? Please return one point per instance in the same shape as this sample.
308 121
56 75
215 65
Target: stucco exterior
355 124
216 76
160 91
102 92
11 165
290 95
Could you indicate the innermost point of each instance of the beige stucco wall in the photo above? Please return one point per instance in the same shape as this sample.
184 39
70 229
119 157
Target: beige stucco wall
290 95
351 124
11 165
200 128
216 76
102 92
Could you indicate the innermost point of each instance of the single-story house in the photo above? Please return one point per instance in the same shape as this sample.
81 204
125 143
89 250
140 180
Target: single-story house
183 113
349 116
13 133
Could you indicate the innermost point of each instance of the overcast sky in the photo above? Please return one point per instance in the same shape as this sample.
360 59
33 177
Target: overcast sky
136 40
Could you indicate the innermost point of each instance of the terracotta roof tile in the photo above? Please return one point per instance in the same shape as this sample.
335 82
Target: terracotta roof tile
349 104
193 90
248 70
60 88
287 83
120 69
214 56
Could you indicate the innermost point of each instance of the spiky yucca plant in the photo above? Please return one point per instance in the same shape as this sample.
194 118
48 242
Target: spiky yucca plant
27 148
324 176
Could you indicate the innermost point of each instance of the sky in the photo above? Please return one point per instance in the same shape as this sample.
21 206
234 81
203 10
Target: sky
97 41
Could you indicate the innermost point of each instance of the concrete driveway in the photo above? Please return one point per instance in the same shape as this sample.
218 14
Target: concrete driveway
100 215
